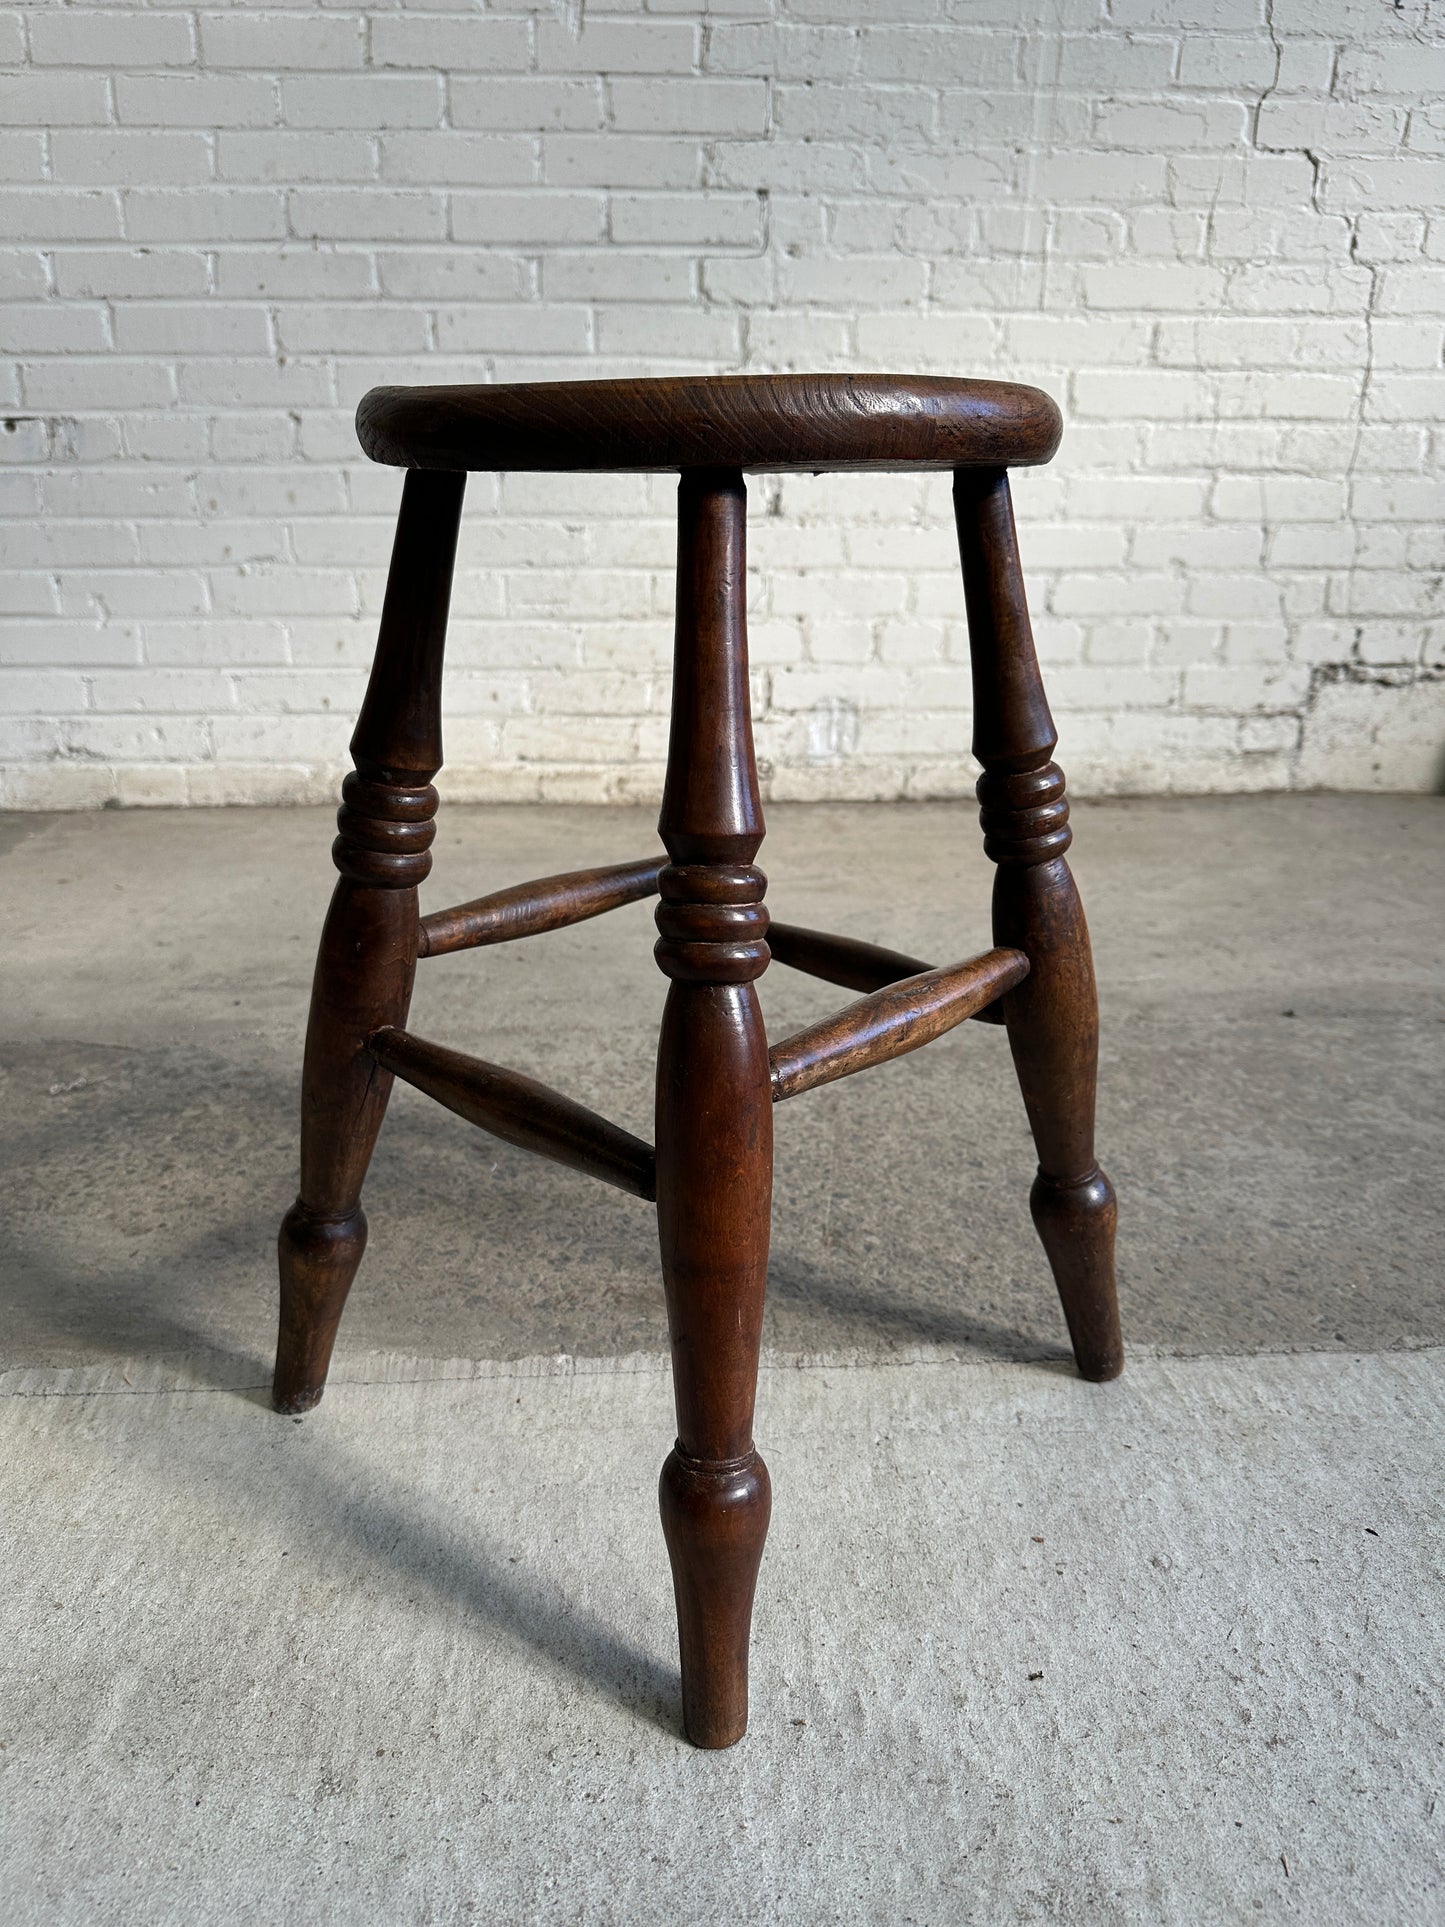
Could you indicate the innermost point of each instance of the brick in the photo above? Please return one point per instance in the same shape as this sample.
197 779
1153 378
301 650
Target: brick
676 335
1113 62
195 100
211 214
884 282
776 50
617 47
374 102
274 42
1246 686
1305 66
22 157
1213 16
1395 398
718 107
613 275
453 274
1389 237
1112 178
82 383
390 214
1332 126
841 113
24 274
1159 286
1409 68
163 690
268 384
527 103
466 159
53 100
51 329
285 158
116 274
451 43
621 160
1349 185
205 328
112 155
1152 126
491 328
53 214
1247 63
691 220
49 692
95 37
527 220
1412 291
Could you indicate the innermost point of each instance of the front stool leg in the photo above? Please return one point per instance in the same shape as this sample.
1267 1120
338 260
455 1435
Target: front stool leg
714 1116
367 958
1052 1017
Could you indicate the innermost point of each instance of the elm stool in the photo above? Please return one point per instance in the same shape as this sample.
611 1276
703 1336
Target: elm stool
710 1172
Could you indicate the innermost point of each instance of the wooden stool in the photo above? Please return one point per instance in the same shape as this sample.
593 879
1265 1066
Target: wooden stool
717 1079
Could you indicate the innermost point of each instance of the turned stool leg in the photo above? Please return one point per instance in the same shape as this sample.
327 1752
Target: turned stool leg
1052 1017
714 1115
368 948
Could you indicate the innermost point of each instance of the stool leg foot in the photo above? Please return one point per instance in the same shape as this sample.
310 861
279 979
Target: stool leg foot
367 959
1053 1033
714 1116
715 1519
1076 1224
364 974
318 1259
1052 1017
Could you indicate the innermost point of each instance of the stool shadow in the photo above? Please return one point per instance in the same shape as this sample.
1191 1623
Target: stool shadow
527 1612
524 1610
803 1281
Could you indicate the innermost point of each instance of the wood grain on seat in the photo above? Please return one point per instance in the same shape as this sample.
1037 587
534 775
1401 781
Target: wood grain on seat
769 422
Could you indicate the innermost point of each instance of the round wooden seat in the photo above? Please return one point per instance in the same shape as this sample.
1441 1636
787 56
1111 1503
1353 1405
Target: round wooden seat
770 422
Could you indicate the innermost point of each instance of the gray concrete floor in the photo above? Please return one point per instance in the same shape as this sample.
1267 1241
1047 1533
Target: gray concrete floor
438 1707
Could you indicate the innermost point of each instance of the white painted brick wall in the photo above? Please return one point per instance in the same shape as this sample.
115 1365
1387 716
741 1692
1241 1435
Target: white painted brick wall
1212 228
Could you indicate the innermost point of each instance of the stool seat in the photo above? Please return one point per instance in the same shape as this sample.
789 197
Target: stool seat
768 422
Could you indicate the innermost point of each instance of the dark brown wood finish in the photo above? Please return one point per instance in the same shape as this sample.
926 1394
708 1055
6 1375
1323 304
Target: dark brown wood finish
772 422
1052 1017
901 1018
711 1173
714 1114
854 965
529 909
840 960
368 949
515 1107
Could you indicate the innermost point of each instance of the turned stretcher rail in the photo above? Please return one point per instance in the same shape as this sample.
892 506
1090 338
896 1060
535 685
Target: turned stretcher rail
893 1021
548 903
847 961
519 1109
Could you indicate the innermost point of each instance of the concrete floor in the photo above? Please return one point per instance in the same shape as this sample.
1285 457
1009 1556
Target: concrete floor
437 1708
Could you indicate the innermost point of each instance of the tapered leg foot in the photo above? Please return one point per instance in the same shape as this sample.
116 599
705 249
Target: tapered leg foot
715 1519
318 1257
1075 1223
